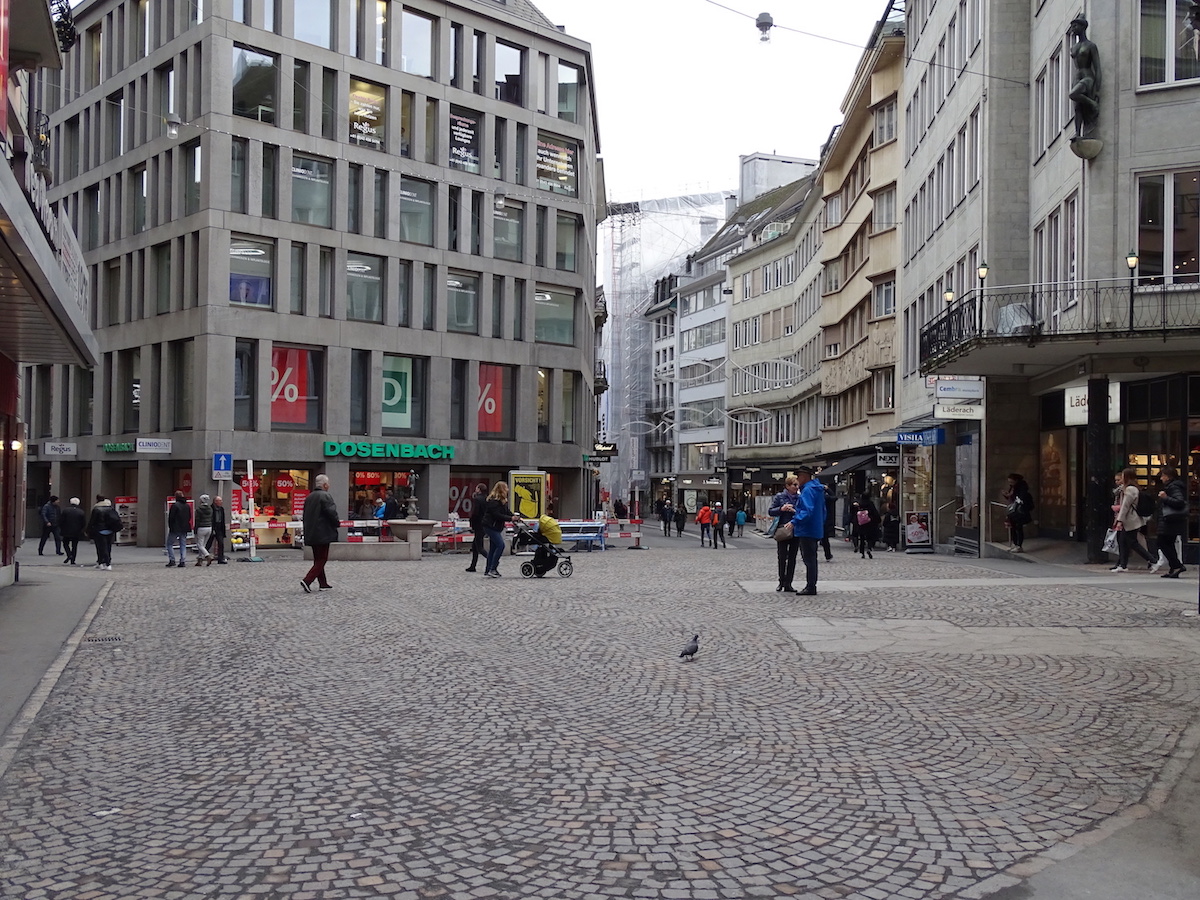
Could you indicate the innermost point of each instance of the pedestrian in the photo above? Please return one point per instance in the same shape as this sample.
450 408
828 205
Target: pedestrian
704 519
731 520
666 514
830 520
72 521
620 509
1173 509
496 515
718 525
740 520
103 524
783 507
50 513
220 528
865 526
1019 512
204 520
321 523
179 523
1126 521
392 508
680 520
478 535
889 528
808 525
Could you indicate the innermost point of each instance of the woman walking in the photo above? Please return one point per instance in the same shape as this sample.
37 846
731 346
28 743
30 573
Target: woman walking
1173 503
865 527
1127 521
495 514
1020 511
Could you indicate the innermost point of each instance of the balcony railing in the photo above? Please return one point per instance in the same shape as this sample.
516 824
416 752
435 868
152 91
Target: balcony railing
1080 310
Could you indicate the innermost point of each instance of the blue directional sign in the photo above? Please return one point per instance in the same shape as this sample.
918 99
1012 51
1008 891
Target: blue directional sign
222 467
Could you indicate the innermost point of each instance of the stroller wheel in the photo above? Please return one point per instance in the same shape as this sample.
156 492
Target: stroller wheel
565 568
526 570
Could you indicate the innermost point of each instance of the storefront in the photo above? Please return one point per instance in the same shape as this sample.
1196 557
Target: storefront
278 493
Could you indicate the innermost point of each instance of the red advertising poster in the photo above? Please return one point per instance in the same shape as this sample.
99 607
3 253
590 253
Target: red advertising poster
491 398
4 12
462 490
298 498
289 385
236 505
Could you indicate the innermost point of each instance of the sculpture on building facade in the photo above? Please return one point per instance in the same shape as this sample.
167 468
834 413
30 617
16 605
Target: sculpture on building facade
1085 90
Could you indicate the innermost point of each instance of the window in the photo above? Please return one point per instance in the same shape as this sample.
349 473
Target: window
554 317
325 283
496 402
255 83
509 231
329 82
192 176
570 390
459 373
162 278
244 379
497 306
364 287
1170 42
883 299
312 191
360 391
381 203
368 114
299 277
883 389
884 213
183 381
518 309
465 139
885 122
314 22
566 241
296 375
569 79
251 272
354 199
139 187
510 73
416 211
416 44
376 42
237 176
115 109
270 170
403 395
462 303
1040 114
556 160
1168 228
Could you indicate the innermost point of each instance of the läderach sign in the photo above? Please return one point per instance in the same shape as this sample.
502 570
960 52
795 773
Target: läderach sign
369 450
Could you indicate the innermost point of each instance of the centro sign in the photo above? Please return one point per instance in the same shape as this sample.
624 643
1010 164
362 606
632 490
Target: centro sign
366 449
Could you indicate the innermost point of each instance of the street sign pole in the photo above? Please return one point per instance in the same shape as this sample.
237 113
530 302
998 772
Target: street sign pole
249 486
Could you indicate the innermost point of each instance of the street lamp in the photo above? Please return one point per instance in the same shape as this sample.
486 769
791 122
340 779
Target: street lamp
982 273
948 296
1131 260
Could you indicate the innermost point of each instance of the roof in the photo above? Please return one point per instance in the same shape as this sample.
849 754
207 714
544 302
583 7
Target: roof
754 214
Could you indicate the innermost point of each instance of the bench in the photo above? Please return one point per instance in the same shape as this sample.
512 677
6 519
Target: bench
587 532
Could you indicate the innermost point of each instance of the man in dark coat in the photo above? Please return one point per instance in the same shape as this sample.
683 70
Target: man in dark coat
50 513
321 523
220 528
478 502
179 523
72 521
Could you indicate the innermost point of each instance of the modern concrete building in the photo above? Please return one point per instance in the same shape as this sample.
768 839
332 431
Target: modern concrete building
350 237
43 281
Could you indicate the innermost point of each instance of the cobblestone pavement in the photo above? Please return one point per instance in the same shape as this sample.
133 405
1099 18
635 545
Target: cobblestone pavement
422 733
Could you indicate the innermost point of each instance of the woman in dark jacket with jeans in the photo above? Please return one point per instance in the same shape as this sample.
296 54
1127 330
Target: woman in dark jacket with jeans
495 514
865 533
1173 503
782 508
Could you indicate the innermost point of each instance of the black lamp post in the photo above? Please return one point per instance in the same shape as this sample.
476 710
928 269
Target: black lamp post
1131 260
982 273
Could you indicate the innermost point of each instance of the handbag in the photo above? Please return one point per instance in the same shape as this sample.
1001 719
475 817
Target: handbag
864 517
783 532
771 528
1110 541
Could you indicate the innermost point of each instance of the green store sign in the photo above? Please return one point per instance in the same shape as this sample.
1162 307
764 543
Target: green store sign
125 447
368 450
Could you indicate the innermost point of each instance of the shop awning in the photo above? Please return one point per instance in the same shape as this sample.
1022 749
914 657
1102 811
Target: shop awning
848 464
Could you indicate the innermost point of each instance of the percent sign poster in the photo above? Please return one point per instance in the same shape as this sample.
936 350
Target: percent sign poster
289 385
491 399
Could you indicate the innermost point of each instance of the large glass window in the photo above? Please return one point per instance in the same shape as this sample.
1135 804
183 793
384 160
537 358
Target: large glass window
381 203
368 114
354 199
462 303
510 73
570 388
556 158
237 175
314 21
406 123
416 44
416 211
270 172
251 272
360 391
296 374
299 277
300 95
569 78
162 278
183 378
566 240
364 287
139 188
1169 227
255 84
554 317
464 139
496 402
191 178
509 231
1170 42
243 384
312 191
376 43
403 396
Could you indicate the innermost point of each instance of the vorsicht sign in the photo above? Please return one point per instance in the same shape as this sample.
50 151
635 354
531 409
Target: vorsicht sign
373 450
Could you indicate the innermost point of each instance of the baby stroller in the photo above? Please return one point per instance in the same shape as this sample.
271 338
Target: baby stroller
547 551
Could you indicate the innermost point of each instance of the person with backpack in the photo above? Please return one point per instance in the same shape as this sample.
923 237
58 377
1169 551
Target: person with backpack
1019 512
1171 525
865 526
1127 522
717 518
103 525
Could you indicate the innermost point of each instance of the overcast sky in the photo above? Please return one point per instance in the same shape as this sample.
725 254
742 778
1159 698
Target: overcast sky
684 87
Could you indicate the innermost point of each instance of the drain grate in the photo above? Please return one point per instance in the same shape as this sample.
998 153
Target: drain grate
101 639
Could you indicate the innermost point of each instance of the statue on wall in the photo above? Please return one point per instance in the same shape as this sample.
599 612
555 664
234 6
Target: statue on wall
1085 90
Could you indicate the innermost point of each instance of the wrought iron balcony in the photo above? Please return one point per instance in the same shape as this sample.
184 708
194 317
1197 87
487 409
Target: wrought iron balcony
600 383
1044 324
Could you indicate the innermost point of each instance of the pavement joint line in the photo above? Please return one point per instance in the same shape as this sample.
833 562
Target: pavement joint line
24 720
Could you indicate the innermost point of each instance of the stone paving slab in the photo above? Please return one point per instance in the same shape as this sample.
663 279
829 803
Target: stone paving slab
423 733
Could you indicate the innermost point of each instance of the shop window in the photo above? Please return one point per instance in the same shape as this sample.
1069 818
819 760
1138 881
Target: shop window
255 84
465 139
509 231
462 303
403 395
251 272
556 164
364 287
416 211
554 317
244 381
368 114
496 402
296 377
416 44
312 191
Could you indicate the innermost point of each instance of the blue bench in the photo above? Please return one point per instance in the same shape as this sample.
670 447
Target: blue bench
589 533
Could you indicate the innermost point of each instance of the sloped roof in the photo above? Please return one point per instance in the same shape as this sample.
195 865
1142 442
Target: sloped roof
752 215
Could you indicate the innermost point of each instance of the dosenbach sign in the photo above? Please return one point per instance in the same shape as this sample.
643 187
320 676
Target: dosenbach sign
388 451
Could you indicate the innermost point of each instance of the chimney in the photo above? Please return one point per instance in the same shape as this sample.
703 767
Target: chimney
731 205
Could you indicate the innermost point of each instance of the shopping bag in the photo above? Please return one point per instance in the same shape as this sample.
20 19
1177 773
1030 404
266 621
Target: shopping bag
1110 541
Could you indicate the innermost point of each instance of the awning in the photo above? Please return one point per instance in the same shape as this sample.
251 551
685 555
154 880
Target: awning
848 464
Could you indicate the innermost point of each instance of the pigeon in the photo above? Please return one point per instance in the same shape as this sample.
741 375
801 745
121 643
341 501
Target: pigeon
691 648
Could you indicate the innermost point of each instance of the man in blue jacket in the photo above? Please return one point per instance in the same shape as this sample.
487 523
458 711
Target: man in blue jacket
808 524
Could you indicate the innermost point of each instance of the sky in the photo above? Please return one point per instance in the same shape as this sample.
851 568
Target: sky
685 87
